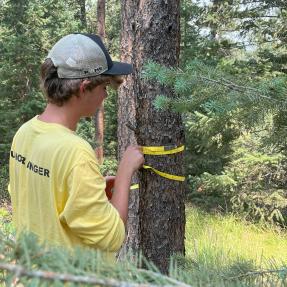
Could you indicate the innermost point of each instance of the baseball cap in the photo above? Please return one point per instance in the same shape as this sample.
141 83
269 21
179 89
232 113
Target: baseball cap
84 55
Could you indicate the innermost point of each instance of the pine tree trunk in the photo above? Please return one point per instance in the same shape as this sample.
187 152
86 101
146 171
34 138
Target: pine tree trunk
99 116
127 117
101 15
151 31
82 4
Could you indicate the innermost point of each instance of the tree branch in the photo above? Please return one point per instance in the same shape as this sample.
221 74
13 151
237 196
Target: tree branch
238 88
20 271
174 281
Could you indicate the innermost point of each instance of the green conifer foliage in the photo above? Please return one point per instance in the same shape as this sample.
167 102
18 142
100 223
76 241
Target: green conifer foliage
219 107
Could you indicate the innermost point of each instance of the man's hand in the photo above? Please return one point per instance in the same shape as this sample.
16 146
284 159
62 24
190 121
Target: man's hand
132 160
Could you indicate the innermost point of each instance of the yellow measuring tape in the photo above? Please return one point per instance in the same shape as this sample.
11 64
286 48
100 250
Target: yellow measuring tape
164 174
135 186
161 150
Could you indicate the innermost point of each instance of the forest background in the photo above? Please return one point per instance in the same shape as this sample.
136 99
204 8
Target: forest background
230 89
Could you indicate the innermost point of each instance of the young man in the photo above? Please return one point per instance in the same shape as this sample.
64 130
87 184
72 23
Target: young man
56 188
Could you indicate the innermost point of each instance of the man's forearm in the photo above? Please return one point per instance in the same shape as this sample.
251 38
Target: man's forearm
120 199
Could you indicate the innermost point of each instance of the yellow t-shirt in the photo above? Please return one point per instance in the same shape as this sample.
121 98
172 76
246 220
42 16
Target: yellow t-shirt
57 190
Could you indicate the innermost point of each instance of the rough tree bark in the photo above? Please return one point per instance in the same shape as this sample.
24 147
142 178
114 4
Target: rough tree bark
151 31
127 116
99 116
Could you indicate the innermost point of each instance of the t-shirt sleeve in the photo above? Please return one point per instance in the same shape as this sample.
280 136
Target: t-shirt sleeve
88 213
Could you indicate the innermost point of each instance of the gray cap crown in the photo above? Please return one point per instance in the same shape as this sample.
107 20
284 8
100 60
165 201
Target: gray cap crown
82 55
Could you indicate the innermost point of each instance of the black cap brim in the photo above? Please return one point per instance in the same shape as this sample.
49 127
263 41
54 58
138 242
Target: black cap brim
119 68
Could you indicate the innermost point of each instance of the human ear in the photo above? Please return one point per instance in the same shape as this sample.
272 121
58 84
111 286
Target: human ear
83 86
